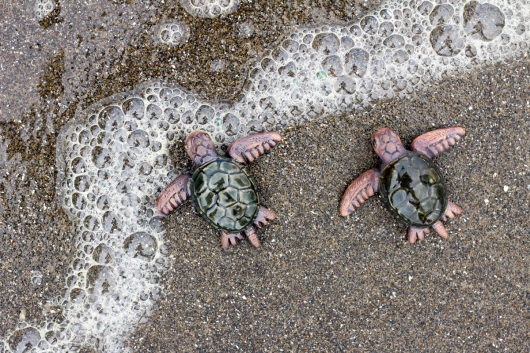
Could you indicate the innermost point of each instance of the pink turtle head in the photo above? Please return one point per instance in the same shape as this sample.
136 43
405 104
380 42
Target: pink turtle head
387 145
200 147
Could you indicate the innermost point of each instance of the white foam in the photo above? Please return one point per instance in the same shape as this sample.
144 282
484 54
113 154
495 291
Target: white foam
43 8
209 8
114 158
174 33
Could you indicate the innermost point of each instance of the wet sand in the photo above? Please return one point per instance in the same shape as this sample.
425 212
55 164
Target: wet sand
323 283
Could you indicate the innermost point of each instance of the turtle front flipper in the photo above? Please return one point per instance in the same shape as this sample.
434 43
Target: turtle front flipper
174 195
366 185
229 238
417 234
432 143
246 149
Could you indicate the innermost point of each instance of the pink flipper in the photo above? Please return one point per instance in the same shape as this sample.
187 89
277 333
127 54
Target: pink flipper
229 238
440 229
174 195
366 185
252 236
432 143
264 217
417 234
451 211
246 149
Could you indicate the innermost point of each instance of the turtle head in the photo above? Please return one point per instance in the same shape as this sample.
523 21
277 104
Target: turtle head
387 145
200 147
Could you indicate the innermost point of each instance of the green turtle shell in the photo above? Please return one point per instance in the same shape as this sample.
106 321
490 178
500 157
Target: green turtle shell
413 188
225 195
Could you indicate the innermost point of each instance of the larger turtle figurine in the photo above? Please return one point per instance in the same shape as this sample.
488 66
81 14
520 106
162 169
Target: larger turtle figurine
409 183
221 188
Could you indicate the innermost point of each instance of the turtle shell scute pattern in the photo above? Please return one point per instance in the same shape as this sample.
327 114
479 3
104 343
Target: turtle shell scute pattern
413 188
225 194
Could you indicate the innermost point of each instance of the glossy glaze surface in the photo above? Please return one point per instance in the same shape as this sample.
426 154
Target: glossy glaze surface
413 188
225 195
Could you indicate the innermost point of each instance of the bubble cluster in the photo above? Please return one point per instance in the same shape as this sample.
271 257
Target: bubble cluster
174 33
24 339
114 158
209 8
44 7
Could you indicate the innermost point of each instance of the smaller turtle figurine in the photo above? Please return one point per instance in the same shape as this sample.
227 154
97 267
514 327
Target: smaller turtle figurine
221 188
409 183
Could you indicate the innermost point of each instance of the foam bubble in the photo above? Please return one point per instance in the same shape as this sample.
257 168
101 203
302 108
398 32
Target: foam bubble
209 8
114 158
141 245
36 278
483 21
44 7
173 33
24 339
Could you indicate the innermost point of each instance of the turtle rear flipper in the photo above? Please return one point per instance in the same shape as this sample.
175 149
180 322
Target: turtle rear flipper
440 229
366 185
451 211
228 239
174 195
252 237
432 143
246 149
264 217
417 234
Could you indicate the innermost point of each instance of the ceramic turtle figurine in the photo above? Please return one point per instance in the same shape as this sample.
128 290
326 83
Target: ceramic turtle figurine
409 183
221 188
